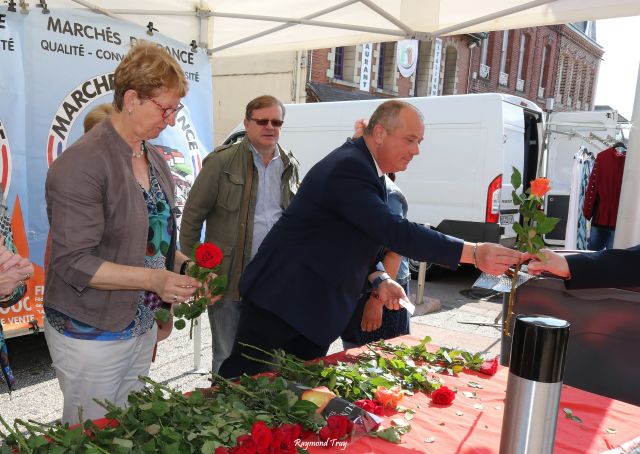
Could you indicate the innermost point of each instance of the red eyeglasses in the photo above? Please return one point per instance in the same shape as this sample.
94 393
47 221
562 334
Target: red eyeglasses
166 111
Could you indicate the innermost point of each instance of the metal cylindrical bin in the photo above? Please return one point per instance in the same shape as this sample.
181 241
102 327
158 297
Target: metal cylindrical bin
536 369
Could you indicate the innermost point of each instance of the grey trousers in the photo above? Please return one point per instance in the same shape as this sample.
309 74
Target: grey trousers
224 317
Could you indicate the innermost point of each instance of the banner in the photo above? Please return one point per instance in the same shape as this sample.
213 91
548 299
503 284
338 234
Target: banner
437 61
54 68
365 67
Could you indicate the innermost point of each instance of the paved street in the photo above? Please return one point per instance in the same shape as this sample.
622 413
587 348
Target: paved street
465 320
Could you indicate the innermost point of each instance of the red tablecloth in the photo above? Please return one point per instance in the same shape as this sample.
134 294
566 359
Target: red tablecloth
473 425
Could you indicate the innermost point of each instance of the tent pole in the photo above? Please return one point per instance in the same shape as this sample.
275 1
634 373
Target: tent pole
291 22
628 222
488 17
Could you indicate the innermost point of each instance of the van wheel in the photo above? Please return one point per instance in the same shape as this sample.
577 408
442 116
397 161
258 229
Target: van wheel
431 272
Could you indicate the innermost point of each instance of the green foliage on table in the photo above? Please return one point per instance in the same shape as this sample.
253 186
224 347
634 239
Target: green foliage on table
160 419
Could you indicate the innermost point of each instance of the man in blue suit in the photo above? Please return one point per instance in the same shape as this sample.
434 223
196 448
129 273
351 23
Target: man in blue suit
301 289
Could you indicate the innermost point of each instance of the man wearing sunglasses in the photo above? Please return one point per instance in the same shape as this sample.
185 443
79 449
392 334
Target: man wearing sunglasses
240 192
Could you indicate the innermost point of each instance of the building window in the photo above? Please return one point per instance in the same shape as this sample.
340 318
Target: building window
450 64
422 69
338 63
381 61
503 53
505 57
523 61
485 52
544 70
386 66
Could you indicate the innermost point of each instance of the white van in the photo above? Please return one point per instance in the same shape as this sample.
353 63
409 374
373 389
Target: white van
460 183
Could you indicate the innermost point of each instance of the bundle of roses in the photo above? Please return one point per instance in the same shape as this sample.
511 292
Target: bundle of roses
265 440
206 268
338 427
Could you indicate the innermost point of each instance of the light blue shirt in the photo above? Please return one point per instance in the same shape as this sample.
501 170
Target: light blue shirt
269 199
398 205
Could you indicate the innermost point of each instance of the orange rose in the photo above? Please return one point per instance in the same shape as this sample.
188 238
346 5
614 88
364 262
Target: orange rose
540 186
389 398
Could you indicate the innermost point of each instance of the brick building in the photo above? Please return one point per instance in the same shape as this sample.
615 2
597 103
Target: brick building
536 63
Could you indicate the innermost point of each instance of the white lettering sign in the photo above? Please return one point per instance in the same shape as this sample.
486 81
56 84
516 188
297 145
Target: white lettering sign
365 68
435 77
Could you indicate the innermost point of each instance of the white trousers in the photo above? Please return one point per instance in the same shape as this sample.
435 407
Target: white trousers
105 370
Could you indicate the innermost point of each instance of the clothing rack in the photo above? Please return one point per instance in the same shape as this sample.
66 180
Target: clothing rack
591 139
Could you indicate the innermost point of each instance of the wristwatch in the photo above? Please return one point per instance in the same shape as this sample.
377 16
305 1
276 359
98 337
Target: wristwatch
378 280
185 266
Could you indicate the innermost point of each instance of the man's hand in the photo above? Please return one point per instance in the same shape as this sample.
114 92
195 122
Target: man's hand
372 315
390 293
492 258
548 261
359 127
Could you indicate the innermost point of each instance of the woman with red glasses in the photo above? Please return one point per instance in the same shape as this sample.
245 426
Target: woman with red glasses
110 204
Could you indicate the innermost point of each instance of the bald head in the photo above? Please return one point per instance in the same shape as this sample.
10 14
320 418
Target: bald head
387 115
393 135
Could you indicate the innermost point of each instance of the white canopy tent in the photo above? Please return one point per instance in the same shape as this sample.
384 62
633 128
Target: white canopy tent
243 27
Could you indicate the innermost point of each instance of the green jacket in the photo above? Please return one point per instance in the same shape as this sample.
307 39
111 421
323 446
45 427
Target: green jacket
216 197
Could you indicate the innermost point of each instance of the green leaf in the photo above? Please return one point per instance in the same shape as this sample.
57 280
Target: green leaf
390 434
208 447
127 444
180 324
153 429
518 229
195 398
38 442
546 225
159 408
516 198
163 315
516 178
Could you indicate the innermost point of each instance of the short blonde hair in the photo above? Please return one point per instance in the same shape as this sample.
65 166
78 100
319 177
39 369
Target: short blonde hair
96 115
147 68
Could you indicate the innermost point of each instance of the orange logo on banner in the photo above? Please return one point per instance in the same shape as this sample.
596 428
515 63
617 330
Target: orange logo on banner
21 315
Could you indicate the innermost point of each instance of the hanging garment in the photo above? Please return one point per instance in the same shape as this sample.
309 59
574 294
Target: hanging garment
576 231
603 194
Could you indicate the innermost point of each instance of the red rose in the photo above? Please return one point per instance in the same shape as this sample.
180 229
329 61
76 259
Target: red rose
208 255
338 424
221 450
325 433
290 431
442 396
372 406
242 439
540 186
261 436
366 405
490 367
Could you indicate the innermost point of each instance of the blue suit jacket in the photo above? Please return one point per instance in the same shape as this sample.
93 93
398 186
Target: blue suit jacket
311 266
608 268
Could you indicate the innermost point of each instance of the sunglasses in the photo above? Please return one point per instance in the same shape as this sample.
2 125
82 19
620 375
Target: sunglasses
166 111
265 122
